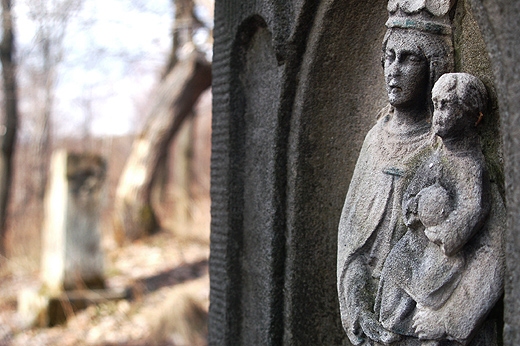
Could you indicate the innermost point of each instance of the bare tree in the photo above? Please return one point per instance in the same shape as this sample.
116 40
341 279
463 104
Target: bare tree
51 18
187 75
8 130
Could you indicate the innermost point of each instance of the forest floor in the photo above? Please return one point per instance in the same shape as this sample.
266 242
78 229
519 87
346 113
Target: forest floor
169 278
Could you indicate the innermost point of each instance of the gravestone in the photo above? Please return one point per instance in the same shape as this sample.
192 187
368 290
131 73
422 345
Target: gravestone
297 85
72 266
72 257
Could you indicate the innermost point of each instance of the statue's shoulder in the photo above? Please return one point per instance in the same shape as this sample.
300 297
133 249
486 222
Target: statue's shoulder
383 118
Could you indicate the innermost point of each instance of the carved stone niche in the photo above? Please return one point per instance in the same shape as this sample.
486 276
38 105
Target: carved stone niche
274 240
420 245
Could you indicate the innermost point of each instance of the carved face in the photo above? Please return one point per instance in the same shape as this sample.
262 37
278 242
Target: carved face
447 114
406 72
458 100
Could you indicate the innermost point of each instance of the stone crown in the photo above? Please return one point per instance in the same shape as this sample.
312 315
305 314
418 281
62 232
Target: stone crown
424 15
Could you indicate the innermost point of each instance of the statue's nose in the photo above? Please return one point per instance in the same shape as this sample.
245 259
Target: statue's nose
393 69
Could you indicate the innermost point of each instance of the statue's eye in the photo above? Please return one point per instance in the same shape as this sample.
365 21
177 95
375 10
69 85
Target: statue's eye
414 58
390 56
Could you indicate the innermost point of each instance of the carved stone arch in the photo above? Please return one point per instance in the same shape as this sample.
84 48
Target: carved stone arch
255 231
256 62
340 92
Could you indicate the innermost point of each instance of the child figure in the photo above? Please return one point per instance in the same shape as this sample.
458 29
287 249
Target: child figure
445 205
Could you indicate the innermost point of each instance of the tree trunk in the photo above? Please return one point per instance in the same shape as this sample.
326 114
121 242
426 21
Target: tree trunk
182 31
134 215
8 131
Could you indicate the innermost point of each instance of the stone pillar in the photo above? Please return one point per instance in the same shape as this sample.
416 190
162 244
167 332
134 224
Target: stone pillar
72 257
501 29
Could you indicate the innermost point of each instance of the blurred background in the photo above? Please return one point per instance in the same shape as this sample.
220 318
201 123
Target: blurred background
128 80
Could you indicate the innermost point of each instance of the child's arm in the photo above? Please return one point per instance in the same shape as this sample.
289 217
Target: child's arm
422 178
471 186
468 306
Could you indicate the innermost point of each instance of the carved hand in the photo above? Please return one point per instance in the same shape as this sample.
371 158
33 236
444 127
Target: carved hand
375 331
435 234
429 324
410 212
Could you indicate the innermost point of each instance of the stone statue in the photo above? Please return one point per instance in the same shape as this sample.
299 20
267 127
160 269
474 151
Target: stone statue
417 50
445 208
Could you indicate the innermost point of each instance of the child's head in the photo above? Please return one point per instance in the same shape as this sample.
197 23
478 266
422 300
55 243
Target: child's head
459 99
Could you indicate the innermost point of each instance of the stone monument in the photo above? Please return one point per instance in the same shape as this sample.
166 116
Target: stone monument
72 257
72 266
297 85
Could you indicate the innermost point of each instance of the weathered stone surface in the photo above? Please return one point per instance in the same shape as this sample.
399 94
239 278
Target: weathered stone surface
444 276
336 102
255 65
330 90
72 257
500 27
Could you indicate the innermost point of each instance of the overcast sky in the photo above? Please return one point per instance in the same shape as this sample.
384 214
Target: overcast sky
114 51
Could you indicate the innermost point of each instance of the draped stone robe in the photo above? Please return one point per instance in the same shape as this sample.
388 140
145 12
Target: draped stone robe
371 221
371 224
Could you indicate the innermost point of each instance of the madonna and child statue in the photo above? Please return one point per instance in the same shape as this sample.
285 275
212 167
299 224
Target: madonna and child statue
420 243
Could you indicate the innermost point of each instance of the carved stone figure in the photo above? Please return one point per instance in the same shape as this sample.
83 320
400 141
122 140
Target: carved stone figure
416 52
446 208
442 259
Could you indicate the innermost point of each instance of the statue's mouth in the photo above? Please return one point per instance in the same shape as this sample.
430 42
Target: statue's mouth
395 88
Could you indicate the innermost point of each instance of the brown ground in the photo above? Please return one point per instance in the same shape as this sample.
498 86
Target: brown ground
167 270
170 306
